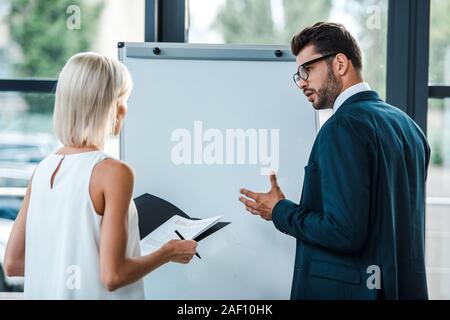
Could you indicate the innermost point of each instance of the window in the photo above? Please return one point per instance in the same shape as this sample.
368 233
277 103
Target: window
438 190
276 21
37 37
439 70
438 200
25 139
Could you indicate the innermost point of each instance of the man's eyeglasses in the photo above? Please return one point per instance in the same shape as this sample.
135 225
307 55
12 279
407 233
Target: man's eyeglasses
303 70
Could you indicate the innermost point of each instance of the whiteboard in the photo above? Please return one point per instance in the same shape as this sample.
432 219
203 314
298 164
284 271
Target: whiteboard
202 122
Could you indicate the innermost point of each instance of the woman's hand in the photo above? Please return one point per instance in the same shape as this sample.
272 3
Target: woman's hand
180 251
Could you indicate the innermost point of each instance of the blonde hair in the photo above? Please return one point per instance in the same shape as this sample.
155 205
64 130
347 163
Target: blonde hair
88 89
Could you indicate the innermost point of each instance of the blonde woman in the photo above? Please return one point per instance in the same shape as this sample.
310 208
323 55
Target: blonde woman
76 235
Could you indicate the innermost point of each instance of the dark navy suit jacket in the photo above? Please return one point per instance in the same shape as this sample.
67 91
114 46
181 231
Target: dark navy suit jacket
362 208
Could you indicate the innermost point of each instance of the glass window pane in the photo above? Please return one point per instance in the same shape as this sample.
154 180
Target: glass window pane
37 37
439 42
438 200
439 140
275 21
25 139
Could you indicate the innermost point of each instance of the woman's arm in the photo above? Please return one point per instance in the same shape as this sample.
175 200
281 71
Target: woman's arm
116 269
14 261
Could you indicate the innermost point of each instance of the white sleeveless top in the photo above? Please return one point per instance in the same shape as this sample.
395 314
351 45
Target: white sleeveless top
62 250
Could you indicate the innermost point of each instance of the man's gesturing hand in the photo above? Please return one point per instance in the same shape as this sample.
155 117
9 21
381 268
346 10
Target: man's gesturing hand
262 203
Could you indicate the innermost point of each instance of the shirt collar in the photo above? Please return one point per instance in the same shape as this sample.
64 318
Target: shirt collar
347 93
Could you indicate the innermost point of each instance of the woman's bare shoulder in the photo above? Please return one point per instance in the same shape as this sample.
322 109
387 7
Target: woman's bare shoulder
113 170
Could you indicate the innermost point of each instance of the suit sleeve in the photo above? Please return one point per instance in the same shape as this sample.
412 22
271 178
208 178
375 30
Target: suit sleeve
345 173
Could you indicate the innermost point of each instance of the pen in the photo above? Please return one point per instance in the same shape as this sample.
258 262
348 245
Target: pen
182 238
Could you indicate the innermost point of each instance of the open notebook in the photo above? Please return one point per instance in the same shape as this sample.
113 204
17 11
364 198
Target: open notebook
158 220
188 228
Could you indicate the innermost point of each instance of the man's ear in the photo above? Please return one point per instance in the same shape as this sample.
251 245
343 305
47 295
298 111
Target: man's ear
342 64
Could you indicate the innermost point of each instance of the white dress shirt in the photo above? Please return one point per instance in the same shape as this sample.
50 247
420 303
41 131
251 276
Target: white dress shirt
347 93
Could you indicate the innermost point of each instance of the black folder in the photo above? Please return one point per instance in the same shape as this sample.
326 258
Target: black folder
154 211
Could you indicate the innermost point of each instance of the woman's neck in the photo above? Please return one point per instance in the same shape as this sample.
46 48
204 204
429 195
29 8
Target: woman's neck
72 150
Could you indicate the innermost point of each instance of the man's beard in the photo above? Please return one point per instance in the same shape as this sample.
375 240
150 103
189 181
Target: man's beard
330 90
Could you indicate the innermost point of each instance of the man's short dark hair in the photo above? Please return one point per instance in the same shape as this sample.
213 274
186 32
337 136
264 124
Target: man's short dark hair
328 38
